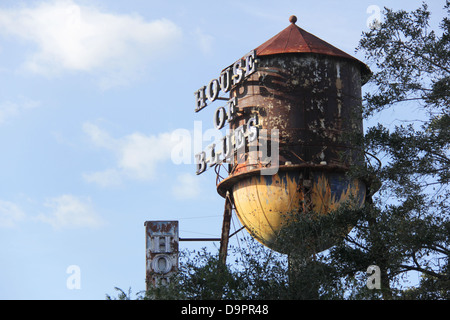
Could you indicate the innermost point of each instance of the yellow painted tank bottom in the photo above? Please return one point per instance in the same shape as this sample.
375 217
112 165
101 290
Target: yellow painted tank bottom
266 204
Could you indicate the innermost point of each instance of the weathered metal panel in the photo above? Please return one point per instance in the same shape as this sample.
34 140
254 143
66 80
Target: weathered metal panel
161 251
266 204
294 39
314 101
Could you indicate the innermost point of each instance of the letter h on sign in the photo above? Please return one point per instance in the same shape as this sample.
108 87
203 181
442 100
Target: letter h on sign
161 251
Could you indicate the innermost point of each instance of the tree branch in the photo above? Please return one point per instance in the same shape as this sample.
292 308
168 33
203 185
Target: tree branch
424 57
420 269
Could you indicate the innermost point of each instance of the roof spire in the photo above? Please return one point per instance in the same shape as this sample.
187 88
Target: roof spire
293 19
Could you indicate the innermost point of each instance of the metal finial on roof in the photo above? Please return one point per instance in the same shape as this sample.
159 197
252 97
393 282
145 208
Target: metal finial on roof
293 19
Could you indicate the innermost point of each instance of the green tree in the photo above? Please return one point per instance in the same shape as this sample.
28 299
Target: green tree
256 273
406 227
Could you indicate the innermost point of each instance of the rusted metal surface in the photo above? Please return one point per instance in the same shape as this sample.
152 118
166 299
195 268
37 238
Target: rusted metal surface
294 39
310 92
314 102
161 251
266 204
225 236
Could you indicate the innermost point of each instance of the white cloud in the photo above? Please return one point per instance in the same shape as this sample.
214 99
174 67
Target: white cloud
137 155
10 214
98 136
106 178
186 187
70 211
141 157
205 41
140 154
9 109
72 37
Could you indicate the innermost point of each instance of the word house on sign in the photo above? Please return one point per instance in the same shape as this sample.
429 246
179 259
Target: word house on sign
231 76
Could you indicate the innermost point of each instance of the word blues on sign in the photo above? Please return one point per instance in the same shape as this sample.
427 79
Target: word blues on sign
231 143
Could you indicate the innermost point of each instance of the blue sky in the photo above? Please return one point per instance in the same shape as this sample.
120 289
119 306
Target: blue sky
91 93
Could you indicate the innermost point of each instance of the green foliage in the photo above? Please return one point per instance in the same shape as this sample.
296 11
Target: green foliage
256 273
206 278
412 61
407 228
202 276
122 295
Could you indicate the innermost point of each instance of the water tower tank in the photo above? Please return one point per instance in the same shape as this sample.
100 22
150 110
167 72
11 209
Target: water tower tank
311 92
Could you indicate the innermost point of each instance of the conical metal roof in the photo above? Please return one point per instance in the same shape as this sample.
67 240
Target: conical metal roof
294 39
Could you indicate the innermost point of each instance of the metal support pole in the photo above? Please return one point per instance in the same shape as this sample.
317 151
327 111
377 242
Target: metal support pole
199 239
225 229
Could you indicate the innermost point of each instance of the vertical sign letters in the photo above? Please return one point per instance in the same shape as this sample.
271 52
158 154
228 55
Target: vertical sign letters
161 251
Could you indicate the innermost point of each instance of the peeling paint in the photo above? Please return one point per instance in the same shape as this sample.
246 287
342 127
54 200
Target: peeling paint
267 204
161 251
311 100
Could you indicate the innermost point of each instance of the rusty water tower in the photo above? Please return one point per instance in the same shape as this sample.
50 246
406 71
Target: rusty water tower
310 92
